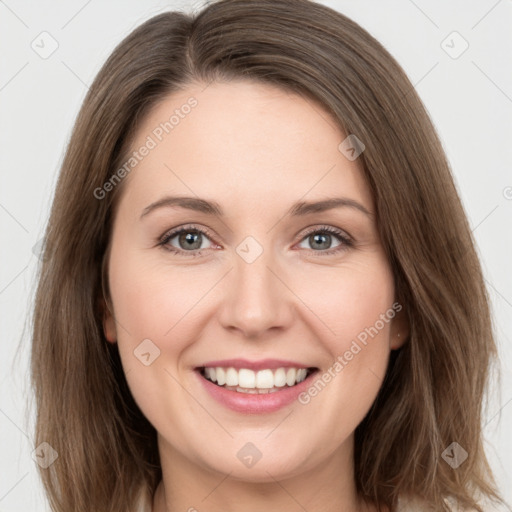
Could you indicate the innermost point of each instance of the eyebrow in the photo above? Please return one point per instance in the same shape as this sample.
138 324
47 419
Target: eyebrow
300 208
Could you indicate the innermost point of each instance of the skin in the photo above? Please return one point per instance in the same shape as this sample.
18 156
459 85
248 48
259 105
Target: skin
240 142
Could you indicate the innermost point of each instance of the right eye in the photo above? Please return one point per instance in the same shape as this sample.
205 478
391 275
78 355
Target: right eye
188 238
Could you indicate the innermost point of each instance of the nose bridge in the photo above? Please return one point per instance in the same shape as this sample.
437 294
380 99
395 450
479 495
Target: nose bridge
256 298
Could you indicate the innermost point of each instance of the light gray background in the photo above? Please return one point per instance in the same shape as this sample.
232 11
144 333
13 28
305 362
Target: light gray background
469 99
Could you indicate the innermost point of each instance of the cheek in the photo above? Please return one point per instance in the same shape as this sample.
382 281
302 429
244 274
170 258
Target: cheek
158 313
349 299
150 301
355 305
153 331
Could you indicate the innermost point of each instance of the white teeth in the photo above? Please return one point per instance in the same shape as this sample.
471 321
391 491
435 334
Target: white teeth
210 373
252 391
248 381
301 374
280 378
265 379
231 377
291 375
221 376
246 378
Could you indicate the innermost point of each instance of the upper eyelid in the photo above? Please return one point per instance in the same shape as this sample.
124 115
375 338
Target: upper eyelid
171 233
324 227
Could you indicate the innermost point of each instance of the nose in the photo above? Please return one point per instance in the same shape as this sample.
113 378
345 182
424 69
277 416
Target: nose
256 298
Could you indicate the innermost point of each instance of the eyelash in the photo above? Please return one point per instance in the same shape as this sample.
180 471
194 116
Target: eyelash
346 241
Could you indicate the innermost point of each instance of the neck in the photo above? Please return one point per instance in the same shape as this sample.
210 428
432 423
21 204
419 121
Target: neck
191 487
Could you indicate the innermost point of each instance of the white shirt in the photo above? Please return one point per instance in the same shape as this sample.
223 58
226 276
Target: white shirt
404 505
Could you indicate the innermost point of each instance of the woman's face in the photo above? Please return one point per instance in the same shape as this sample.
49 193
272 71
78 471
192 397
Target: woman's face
258 283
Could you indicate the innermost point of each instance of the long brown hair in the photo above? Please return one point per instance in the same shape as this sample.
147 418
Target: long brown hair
434 389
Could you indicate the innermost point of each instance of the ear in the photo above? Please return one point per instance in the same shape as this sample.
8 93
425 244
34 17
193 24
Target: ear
399 331
105 304
109 323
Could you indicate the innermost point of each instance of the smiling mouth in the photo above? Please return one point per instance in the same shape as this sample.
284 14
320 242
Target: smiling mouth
244 380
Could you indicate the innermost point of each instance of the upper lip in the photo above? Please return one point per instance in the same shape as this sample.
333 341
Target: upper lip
263 364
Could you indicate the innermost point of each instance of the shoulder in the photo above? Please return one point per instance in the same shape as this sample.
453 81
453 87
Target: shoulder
410 505
144 507
144 504
416 505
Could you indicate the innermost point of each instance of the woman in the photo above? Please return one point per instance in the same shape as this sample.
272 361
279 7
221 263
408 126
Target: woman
261 369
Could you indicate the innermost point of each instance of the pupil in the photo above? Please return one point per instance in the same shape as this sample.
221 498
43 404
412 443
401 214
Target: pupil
190 240
317 237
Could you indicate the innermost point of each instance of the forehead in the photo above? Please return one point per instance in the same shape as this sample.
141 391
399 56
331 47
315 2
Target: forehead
256 142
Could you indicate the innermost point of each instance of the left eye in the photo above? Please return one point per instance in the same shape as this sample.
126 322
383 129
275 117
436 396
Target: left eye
319 238
323 235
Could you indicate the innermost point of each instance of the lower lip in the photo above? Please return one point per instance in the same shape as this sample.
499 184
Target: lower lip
255 403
